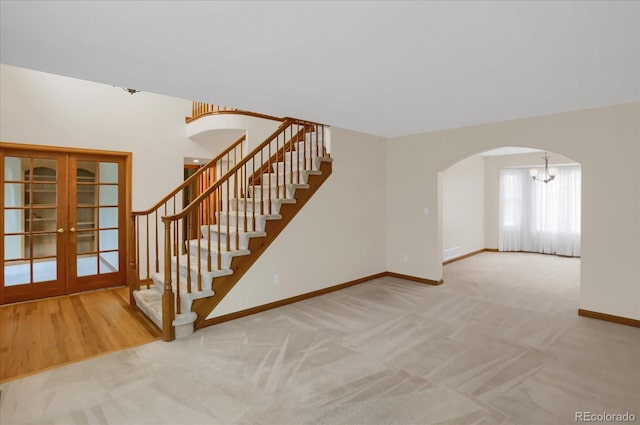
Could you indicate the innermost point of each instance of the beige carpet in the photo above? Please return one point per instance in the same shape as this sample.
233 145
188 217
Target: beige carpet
499 343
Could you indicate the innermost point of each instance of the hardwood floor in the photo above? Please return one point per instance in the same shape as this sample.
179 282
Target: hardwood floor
41 334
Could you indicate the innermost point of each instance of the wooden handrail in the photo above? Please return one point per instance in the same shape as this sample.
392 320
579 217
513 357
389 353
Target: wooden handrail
229 173
202 109
225 210
191 178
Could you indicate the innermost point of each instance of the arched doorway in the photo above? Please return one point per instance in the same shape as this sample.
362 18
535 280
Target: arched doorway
490 201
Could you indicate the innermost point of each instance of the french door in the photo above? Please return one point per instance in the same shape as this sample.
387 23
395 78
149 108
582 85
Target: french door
63 223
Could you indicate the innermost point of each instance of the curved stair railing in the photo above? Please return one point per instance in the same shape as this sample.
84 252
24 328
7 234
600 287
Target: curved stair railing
202 109
232 215
145 234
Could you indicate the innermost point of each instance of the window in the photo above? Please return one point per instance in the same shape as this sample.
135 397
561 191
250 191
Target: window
539 217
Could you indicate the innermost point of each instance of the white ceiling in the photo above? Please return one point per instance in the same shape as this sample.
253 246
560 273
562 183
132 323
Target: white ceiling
508 151
386 68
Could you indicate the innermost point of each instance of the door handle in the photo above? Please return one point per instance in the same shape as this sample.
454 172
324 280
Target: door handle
72 230
60 230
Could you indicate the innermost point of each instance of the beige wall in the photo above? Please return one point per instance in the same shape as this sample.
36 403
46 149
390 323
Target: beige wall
338 236
463 209
346 230
605 141
493 164
46 109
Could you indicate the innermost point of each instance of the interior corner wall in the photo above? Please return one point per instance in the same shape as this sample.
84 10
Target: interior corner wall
46 109
605 141
337 237
493 164
463 209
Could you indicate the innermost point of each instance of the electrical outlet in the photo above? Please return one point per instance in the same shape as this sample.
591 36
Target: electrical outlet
405 258
425 211
276 279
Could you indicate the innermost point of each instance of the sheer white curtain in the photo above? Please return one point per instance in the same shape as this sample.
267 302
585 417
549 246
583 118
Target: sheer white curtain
539 217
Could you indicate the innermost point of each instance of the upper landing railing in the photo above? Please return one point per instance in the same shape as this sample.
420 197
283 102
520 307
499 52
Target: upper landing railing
202 109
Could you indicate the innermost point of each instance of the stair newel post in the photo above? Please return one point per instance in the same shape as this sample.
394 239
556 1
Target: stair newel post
133 278
176 237
168 303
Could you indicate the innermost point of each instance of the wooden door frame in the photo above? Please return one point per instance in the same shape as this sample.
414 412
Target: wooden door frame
127 158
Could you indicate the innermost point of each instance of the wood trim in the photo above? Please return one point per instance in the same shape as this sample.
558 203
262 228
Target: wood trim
125 161
306 296
609 318
492 250
62 149
291 300
414 278
237 112
470 254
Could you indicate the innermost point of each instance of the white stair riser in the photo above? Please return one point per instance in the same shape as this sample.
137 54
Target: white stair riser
287 166
185 302
311 149
243 238
275 206
225 256
299 155
284 178
276 192
206 275
239 222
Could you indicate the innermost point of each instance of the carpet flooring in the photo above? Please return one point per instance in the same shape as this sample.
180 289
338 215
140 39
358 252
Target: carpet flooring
499 343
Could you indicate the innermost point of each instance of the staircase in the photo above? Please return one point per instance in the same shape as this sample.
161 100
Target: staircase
195 256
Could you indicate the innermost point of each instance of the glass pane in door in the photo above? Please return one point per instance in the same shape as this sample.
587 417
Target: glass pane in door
108 218
97 212
30 220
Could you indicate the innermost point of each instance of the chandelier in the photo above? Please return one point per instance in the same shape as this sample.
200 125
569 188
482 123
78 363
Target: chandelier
547 175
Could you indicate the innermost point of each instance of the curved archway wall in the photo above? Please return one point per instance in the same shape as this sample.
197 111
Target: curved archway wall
605 141
256 129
